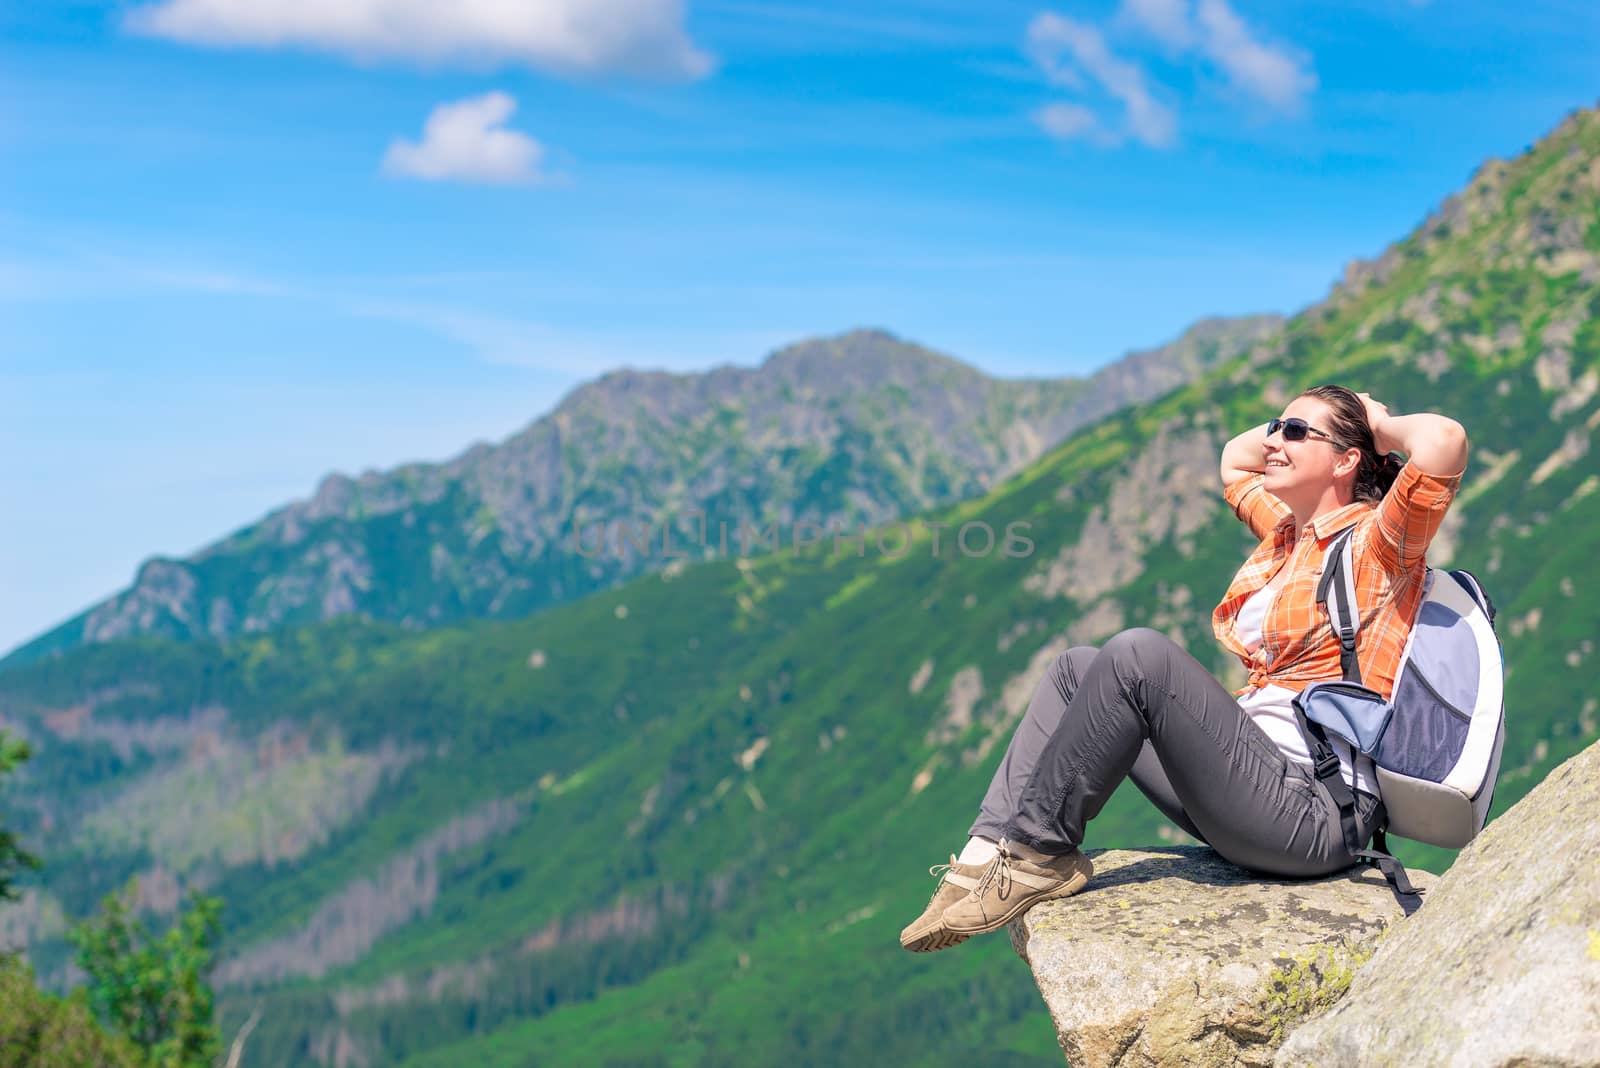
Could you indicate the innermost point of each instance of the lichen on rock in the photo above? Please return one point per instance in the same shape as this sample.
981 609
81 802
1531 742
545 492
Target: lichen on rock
1497 968
1312 983
1174 956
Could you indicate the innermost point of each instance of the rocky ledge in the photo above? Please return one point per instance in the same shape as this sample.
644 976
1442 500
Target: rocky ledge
1176 957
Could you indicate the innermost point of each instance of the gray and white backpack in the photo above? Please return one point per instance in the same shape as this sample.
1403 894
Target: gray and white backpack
1435 744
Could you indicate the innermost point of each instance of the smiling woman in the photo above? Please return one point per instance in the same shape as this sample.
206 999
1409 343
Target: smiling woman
1236 774
1308 467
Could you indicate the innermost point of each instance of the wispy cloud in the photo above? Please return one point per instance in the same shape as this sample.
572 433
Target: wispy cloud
808 25
578 352
486 336
570 37
1279 76
1166 20
1054 38
94 271
1071 122
1276 76
465 141
204 281
496 339
1077 55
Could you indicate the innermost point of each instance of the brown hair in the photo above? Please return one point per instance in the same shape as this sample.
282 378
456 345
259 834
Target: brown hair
1347 425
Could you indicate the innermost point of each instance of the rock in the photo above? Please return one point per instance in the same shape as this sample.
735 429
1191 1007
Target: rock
1173 956
1501 965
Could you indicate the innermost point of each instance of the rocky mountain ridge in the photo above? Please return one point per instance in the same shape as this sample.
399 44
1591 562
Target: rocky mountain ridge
850 431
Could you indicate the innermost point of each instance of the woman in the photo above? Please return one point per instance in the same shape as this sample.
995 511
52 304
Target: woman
1235 774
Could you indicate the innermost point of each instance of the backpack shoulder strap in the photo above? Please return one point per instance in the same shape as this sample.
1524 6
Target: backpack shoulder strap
1469 582
1336 593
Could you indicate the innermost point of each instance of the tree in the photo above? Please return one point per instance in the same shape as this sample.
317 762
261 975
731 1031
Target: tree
13 751
155 992
39 1030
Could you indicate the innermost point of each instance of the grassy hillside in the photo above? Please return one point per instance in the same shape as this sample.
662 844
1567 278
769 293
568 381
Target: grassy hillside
681 822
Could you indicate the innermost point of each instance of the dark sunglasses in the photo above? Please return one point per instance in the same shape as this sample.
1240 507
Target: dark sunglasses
1294 429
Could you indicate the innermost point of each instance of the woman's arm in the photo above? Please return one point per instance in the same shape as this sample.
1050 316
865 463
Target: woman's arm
1435 443
1244 455
1243 458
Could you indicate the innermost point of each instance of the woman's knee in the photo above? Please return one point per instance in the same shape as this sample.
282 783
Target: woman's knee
1137 642
1070 666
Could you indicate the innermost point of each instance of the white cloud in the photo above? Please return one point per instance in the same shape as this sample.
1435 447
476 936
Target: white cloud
463 142
1071 122
571 37
208 281
1165 20
88 274
94 272
1278 76
1272 75
1074 54
579 352
1050 35
496 339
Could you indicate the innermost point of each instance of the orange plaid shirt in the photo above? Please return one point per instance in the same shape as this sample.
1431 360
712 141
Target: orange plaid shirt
1298 645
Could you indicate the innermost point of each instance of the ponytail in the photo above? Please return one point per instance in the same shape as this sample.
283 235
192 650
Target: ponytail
1375 475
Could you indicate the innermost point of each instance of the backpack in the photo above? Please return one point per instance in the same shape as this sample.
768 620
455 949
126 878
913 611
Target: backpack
1435 744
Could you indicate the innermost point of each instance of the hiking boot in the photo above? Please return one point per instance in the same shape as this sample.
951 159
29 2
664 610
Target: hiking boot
927 932
1012 883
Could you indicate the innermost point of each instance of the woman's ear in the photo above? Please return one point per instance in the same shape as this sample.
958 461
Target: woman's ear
1349 463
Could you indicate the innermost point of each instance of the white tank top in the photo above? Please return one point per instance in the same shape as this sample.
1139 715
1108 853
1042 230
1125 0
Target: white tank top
1271 706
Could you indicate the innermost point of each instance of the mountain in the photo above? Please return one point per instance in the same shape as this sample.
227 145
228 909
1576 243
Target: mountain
844 432
681 821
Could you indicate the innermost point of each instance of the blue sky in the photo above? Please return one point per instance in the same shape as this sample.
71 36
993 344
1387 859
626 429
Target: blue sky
245 244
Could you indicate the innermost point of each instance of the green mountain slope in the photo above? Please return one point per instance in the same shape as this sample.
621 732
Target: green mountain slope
851 430
681 821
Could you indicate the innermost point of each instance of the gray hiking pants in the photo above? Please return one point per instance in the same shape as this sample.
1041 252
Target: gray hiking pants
1143 707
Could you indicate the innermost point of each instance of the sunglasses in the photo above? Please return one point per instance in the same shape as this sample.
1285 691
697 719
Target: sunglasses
1294 429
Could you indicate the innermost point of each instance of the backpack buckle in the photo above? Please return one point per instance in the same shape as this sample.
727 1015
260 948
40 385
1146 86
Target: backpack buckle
1326 764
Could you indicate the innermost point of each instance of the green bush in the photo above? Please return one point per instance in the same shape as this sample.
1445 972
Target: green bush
39 1030
13 751
155 991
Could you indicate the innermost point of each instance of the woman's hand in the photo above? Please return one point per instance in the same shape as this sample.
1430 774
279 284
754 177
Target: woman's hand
1377 416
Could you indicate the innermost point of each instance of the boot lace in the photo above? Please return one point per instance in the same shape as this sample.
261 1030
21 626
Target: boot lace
998 873
940 870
